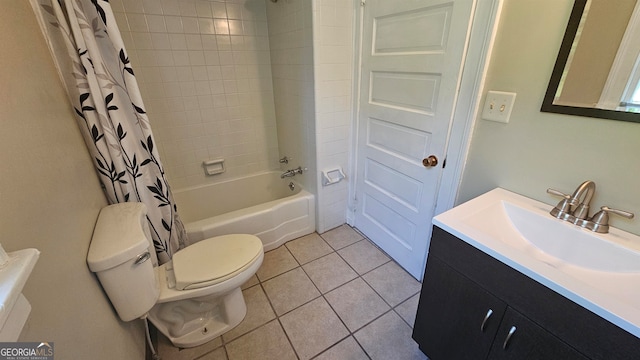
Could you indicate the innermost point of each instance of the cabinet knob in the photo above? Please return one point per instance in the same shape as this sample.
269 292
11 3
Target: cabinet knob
484 321
509 335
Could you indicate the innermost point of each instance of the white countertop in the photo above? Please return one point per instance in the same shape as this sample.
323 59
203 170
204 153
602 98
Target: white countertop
483 223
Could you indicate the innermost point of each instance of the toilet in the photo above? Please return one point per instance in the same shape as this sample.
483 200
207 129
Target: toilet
191 299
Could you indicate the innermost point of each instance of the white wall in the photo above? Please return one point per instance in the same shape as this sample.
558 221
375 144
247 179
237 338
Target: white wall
538 150
333 63
205 75
50 199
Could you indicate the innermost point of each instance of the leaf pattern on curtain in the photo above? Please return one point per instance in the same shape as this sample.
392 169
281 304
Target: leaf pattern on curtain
93 63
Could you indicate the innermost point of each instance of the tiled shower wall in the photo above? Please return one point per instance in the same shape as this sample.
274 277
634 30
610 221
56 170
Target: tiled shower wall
312 60
291 43
333 67
205 75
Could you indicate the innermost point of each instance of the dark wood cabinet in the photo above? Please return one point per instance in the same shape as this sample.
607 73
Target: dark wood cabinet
470 302
520 338
458 318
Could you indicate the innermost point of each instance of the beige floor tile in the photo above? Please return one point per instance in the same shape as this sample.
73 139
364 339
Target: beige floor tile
166 350
217 354
252 281
407 310
329 272
259 312
276 262
312 328
389 337
290 290
356 303
308 248
341 236
268 342
347 349
363 256
392 283
310 325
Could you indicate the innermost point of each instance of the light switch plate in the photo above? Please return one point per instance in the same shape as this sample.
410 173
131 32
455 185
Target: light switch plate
498 106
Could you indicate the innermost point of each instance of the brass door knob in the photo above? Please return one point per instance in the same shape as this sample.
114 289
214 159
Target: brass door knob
430 161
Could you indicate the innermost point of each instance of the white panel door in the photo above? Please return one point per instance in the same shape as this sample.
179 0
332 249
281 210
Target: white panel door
412 56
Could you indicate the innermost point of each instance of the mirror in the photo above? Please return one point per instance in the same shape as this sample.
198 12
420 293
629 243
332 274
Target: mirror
597 72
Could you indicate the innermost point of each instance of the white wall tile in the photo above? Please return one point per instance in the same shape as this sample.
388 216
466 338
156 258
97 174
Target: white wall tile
190 25
181 58
184 73
137 22
203 9
221 26
234 11
178 41
174 24
160 41
219 10
196 58
206 26
156 23
142 40
133 6
188 8
169 7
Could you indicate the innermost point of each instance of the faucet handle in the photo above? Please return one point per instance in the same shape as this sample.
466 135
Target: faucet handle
558 193
563 209
599 222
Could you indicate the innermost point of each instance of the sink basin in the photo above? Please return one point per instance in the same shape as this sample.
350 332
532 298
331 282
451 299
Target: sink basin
598 271
570 243
530 228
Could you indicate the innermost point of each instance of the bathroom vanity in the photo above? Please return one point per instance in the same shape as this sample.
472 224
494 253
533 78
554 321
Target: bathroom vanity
488 296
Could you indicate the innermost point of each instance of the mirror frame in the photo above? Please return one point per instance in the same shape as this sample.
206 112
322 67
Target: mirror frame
558 69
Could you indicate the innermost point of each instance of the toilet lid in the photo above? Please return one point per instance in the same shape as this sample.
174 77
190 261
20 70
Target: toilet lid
214 260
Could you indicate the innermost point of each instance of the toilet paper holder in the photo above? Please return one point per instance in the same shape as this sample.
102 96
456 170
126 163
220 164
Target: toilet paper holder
333 176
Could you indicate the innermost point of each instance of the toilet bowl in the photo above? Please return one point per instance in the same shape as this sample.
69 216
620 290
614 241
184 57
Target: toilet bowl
191 299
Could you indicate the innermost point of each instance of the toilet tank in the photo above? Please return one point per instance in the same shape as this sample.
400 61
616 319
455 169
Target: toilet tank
120 256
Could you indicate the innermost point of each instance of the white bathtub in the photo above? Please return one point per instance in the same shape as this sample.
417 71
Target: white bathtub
260 204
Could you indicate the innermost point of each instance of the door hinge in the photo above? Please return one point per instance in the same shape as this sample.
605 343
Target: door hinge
363 2
444 162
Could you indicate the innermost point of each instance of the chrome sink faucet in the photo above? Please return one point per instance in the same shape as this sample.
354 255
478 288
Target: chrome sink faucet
585 192
575 209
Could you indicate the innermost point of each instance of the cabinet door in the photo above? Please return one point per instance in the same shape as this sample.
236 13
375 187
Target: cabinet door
520 339
456 318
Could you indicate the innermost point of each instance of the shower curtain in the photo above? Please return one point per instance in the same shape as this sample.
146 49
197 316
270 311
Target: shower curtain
90 56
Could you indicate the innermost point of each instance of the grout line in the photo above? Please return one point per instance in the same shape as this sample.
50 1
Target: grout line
323 295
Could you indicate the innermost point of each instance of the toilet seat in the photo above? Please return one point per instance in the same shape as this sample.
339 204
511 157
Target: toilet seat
212 261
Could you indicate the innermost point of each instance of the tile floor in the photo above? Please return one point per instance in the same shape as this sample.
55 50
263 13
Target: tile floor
330 296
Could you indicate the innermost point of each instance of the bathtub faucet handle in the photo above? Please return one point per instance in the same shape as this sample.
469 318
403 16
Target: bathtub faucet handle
284 160
293 172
